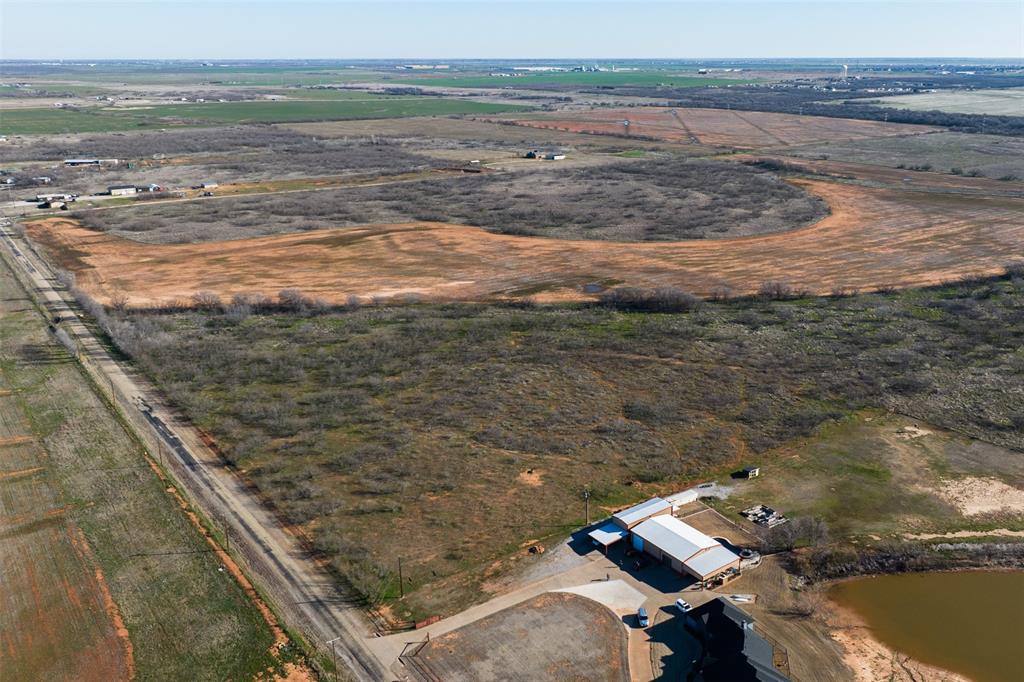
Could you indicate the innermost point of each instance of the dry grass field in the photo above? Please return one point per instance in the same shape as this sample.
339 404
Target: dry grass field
998 102
101 575
54 598
717 127
992 156
468 132
873 238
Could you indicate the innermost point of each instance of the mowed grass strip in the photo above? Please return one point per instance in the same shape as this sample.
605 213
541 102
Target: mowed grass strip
51 121
186 617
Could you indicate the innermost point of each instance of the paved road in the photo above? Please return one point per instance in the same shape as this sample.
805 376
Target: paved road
308 598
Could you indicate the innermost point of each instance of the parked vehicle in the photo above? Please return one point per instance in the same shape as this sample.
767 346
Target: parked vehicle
641 617
683 606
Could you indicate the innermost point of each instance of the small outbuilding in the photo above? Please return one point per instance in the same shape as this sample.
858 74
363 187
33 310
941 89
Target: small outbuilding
122 190
751 472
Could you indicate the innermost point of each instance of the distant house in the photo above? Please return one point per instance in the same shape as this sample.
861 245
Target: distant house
122 190
751 472
731 650
553 156
208 185
81 162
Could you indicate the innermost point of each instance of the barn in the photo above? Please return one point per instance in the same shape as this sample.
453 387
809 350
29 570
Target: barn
683 547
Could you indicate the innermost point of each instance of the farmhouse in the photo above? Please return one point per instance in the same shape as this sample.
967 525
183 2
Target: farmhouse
731 649
121 190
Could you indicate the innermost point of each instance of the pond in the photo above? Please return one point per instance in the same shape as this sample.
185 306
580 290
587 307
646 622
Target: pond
968 622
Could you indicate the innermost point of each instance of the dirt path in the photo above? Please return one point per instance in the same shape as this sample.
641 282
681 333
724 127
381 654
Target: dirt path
873 238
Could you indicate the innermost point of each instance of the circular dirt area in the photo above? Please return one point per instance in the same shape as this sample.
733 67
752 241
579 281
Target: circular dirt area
554 636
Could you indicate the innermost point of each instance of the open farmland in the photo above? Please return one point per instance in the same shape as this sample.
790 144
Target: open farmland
873 238
525 80
294 160
455 436
1001 102
662 199
717 127
95 119
477 133
992 156
104 578
53 599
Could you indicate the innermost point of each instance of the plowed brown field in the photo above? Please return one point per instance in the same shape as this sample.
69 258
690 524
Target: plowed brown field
873 238
720 127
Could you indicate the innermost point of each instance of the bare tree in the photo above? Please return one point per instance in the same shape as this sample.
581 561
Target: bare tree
207 300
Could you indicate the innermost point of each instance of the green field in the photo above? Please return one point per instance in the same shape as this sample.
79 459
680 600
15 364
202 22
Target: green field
186 617
574 78
51 121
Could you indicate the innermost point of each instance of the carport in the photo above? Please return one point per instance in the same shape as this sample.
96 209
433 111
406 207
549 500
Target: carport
607 534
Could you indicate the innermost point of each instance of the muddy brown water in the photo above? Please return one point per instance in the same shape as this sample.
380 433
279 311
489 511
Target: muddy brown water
969 622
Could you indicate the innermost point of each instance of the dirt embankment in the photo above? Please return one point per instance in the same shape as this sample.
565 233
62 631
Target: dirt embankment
870 660
873 238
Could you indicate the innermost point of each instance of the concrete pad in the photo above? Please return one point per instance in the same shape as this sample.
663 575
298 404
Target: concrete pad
615 594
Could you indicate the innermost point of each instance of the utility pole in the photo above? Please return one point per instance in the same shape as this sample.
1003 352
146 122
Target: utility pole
586 501
401 582
334 654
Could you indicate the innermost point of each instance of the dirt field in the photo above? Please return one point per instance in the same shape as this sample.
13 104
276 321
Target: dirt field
873 238
718 127
566 637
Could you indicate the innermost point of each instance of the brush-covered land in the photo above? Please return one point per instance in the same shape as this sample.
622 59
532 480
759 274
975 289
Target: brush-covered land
659 200
452 435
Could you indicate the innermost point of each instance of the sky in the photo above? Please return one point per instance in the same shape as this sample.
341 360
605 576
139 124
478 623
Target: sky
492 29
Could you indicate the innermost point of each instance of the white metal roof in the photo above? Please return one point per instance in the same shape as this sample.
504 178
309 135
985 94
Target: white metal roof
608 533
682 497
641 511
673 537
711 562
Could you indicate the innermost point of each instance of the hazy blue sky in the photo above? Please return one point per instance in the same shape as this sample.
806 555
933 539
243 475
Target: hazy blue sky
44 29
